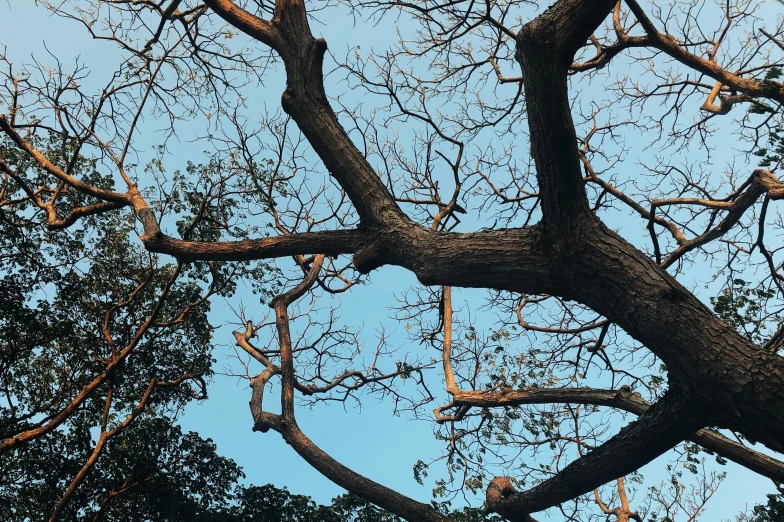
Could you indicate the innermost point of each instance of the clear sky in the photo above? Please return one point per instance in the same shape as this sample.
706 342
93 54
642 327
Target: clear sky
372 441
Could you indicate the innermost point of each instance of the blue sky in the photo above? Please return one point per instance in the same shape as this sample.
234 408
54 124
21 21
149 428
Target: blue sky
374 443
371 441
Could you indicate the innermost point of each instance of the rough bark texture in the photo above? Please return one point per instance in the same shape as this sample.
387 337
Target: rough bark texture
713 370
717 377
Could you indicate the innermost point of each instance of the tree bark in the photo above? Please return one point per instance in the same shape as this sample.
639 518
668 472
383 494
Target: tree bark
717 377
569 254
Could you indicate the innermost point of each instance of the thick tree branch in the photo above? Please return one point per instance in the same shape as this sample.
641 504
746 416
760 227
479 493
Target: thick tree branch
664 425
286 423
446 352
331 242
253 26
280 304
372 491
306 102
567 25
734 379
545 50
623 399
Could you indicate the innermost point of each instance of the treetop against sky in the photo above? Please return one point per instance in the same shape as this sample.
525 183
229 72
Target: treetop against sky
567 218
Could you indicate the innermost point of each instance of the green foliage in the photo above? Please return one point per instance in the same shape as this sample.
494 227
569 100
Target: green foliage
210 201
773 511
351 508
741 308
467 514
270 504
70 301
770 87
153 471
772 154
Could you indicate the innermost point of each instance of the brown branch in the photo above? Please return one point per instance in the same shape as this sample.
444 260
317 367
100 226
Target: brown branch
669 45
52 221
606 55
89 388
85 188
580 329
286 423
593 177
545 50
372 491
762 182
81 212
665 424
106 435
331 242
725 102
622 513
249 24
280 304
446 356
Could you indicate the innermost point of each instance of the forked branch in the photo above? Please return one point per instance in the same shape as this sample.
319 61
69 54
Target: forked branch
664 425
286 423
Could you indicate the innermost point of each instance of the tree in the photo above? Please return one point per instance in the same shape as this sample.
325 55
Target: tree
86 347
772 511
588 317
152 471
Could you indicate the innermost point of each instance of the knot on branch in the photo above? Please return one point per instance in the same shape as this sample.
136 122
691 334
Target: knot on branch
304 63
625 392
369 254
498 489
770 183
320 46
154 241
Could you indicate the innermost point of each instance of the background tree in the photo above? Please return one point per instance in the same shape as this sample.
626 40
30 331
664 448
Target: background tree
771 511
98 335
507 191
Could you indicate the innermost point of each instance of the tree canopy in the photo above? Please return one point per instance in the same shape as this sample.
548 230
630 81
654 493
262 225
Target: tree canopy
586 193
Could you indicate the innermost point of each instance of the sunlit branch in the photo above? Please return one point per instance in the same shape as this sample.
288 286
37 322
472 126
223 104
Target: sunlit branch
286 424
676 50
